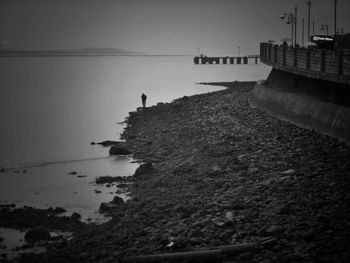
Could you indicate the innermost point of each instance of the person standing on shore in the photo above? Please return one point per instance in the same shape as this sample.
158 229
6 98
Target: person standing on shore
144 98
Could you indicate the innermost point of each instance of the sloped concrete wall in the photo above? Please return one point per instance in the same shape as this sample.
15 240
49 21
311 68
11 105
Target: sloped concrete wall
310 103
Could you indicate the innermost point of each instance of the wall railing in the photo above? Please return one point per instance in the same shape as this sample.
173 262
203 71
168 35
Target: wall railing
310 62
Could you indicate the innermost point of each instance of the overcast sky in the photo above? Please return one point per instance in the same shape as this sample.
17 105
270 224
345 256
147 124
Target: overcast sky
157 26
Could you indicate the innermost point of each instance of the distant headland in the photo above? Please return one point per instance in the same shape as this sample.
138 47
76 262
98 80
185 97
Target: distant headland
75 52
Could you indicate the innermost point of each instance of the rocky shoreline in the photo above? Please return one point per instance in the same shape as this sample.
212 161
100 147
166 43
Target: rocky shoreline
217 172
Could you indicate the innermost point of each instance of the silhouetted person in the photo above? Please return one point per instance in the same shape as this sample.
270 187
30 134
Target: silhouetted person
144 98
284 44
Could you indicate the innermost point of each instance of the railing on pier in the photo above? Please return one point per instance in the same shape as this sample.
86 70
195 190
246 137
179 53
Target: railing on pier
310 62
225 60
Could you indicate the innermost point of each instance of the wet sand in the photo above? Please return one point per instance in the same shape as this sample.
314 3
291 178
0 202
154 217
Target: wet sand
218 172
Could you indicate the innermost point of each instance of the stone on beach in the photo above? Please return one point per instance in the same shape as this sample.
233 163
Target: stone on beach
145 168
37 234
119 149
7 205
112 179
108 143
75 215
117 202
57 210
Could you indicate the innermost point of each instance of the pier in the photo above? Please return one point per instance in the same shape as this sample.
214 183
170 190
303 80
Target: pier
225 60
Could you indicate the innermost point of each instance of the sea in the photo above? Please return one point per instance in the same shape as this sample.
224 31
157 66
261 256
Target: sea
52 108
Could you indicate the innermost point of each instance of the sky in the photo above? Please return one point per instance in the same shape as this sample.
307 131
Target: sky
159 26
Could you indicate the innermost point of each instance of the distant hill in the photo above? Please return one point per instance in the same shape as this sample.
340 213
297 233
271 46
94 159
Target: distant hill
91 51
112 51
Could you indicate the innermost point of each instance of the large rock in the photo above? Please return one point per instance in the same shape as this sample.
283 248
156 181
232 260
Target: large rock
145 168
57 210
108 143
75 215
106 206
119 149
107 179
7 205
117 200
112 179
37 234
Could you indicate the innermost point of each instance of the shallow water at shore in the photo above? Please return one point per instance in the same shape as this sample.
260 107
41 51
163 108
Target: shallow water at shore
14 243
53 185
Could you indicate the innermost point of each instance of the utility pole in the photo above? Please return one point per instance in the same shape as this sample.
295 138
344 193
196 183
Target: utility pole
295 23
293 31
335 17
308 19
302 31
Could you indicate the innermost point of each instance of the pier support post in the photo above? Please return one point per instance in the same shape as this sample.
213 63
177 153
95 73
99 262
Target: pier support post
239 60
245 60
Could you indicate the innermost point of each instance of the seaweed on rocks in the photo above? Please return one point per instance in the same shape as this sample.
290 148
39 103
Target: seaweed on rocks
29 217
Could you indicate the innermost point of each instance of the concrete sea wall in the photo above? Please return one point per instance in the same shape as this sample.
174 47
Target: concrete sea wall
310 103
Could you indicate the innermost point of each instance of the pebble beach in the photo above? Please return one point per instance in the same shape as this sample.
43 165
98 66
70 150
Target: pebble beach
216 172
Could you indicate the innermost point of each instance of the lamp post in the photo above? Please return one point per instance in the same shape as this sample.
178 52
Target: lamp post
295 24
290 20
302 31
335 17
309 3
324 27
313 27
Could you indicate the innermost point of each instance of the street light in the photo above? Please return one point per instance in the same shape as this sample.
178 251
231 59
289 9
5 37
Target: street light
324 27
335 17
290 19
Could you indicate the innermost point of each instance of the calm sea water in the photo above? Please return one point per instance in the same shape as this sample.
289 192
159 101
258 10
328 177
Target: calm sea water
51 108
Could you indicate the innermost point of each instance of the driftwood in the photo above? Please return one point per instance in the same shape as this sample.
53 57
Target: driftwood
215 254
198 256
